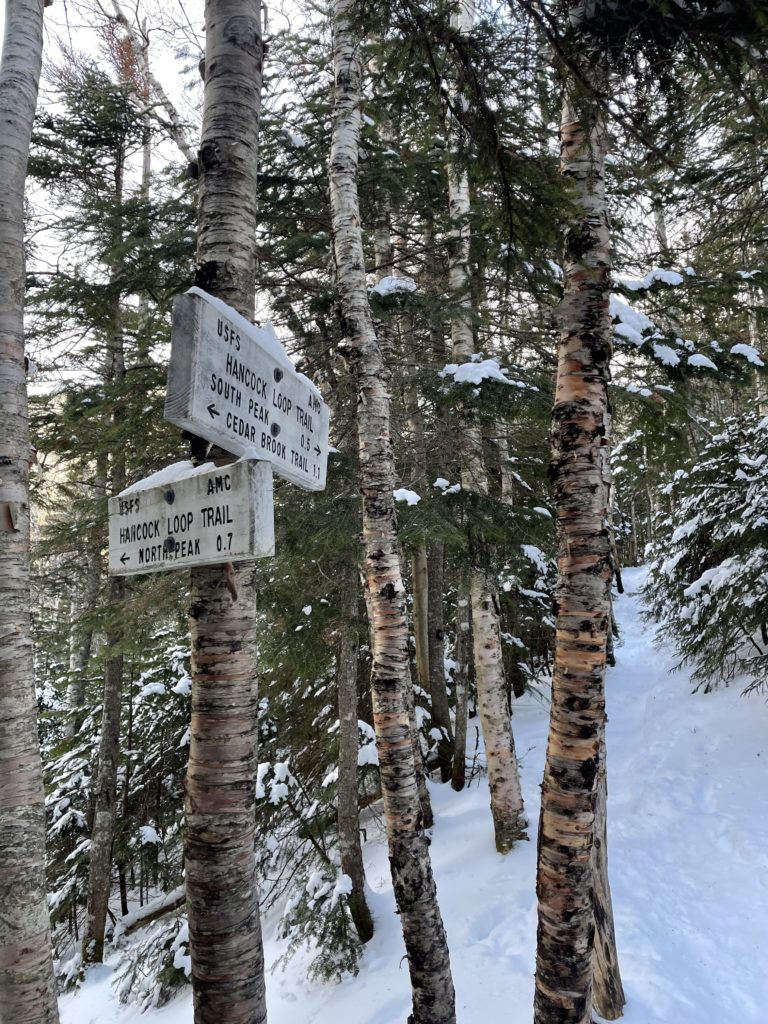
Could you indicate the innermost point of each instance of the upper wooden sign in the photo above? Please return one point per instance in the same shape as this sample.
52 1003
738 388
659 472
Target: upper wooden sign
182 516
233 384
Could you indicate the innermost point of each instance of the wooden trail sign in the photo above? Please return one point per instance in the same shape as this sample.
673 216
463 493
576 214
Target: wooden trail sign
231 383
204 517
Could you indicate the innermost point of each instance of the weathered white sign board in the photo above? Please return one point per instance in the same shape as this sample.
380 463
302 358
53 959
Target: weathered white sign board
232 384
218 515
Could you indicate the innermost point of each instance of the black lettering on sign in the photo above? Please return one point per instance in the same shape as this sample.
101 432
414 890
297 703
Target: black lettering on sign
300 461
282 402
185 549
303 419
128 505
151 554
258 411
228 334
225 390
220 483
140 531
244 375
216 515
269 444
180 523
241 427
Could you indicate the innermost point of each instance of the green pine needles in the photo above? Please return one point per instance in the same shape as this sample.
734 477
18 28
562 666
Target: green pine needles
708 582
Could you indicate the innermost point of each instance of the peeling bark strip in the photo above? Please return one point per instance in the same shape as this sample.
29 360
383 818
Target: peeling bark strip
581 476
27 992
220 863
413 884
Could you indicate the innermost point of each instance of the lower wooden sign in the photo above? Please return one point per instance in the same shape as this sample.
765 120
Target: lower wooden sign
182 517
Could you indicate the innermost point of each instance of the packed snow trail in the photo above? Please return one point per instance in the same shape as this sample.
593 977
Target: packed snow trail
688 859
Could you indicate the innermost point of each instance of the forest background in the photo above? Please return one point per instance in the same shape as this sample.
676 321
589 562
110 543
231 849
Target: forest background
111 221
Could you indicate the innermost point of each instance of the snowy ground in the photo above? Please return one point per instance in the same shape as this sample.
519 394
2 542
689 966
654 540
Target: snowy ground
688 812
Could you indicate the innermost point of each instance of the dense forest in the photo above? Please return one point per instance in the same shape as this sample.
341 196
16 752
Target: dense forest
383 396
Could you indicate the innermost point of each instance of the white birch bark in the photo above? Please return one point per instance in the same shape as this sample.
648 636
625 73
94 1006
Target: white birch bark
495 719
572 881
413 883
220 802
27 990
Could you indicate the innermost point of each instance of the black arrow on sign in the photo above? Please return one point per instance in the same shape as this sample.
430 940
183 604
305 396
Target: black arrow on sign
125 558
213 411
317 449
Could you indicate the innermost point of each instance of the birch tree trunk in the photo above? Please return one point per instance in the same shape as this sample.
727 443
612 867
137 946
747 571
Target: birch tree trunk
220 864
347 811
413 884
27 990
503 775
581 476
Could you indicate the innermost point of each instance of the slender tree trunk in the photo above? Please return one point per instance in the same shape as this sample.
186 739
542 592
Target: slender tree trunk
347 811
505 466
503 775
220 864
421 613
649 496
441 714
413 884
27 990
427 817
608 994
581 476
461 688
384 257
105 789
493 708
105 796
81 641
122 860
